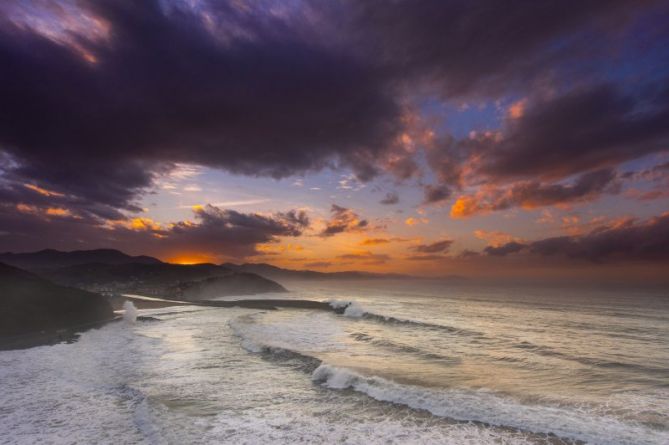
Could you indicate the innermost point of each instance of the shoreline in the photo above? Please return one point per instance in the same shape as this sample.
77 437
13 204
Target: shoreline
142 302
71 334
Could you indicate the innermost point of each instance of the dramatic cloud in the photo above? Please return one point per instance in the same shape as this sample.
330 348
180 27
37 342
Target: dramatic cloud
102 96
217 232
586 128
624 241
234 233
485 45
246 94
533 194
343 220
475 104
439 246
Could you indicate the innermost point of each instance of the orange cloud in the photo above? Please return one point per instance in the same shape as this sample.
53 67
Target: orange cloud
25 208
140 224
57 211
42 191
50 211
465 206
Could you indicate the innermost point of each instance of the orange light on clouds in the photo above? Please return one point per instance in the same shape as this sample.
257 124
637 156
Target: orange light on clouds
143 224
42 191
517 109
25 208
463 207
56 211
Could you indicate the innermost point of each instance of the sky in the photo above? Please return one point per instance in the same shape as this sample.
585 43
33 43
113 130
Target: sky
428 137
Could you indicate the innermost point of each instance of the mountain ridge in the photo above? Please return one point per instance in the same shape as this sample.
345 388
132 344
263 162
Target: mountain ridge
52 258
275 272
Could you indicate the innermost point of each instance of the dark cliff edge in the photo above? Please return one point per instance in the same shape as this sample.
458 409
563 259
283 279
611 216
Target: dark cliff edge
35 311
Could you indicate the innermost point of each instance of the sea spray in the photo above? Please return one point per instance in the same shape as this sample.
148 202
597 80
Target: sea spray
129 312
347 308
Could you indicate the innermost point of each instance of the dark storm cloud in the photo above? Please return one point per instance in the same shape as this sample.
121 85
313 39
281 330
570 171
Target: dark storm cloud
486 45
583 129
390 198
97 112
231 232
439 246
166 89
343 220
627 241
215 231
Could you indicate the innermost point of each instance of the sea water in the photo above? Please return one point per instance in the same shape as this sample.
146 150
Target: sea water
406 362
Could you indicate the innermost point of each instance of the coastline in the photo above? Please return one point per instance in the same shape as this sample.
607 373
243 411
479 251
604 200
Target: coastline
70 334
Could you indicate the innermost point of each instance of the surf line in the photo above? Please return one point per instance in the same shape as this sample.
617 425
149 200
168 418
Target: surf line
143 302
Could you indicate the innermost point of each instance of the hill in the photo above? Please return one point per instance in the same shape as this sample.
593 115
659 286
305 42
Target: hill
163 280
30 304
49 258
277 273
236 283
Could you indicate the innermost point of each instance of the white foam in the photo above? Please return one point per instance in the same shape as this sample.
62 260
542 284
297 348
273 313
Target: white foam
354 310
488 407
338 304
129 312
308 332
351 308
299 426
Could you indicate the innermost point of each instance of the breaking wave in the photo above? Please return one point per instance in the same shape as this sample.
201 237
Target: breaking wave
492 409
355 310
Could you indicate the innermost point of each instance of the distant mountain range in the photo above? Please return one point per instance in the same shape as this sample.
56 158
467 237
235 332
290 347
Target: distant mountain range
49 258
277 273
55 259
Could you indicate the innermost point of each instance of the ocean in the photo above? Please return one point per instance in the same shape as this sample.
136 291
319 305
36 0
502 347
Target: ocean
406 362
